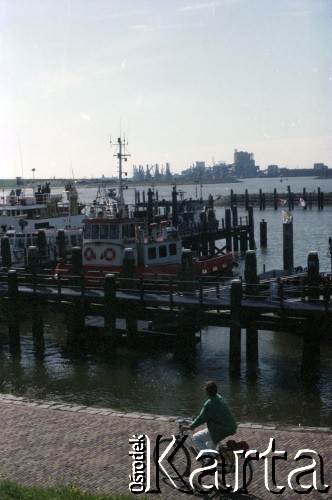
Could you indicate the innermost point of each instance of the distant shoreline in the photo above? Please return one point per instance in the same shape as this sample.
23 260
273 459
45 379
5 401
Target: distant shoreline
30 183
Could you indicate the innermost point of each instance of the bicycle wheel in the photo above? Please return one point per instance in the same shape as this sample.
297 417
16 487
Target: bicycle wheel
177 462
233 475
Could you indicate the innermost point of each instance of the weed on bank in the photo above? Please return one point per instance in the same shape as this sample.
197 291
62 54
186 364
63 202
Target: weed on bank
13 491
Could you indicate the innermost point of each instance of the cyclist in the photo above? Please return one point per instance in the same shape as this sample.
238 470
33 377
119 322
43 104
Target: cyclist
218 418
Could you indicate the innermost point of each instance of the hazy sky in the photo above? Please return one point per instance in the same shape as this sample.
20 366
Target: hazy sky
184 80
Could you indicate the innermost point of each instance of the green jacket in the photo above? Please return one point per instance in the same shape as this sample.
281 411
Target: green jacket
218 418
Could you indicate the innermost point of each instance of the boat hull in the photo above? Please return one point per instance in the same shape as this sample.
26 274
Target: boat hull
207 266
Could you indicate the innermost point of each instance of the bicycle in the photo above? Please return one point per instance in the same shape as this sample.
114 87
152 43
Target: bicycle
229 462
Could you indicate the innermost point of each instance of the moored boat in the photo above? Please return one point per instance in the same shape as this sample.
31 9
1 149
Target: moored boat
30 210
116 237
51 244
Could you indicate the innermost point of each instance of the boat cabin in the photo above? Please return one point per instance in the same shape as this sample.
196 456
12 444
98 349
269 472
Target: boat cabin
105 241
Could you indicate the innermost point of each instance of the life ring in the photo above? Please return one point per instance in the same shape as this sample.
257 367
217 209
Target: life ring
109 254
18 254
89 254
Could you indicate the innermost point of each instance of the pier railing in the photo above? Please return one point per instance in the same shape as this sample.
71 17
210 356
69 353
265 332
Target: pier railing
279 290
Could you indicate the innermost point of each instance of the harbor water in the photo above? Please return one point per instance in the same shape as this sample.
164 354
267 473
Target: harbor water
157 380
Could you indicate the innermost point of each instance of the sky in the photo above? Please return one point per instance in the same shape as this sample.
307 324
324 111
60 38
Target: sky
180 80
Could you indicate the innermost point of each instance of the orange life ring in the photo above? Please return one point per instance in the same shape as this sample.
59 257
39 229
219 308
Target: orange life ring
89 254
109 254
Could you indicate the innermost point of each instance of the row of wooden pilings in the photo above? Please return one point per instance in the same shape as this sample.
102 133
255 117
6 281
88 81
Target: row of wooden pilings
288 200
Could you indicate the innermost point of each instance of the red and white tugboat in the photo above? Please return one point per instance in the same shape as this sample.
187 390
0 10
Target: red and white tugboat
112 235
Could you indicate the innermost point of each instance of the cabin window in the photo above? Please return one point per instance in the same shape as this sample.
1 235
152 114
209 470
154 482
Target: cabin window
20 243
114 232
128 230
104 231
152 253
94 231
163 251
87 231
172 249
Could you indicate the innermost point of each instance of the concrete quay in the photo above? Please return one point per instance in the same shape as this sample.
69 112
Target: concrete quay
48 444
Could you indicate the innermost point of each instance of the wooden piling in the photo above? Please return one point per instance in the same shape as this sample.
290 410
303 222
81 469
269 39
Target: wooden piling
252 349
211 220
260 199
62 251
150 207
235 328
288 247
311 351
37 319
246 199
128 282
319 199
313 276
41 244
251 229
187 282
132 327
289 197
231 198
13 309
304 197
33 266
174 207
129 268
204 239
228 224
110 308
250 273
76 322
185 332
6 257
263 234
275 199
76 261
235 225
243 240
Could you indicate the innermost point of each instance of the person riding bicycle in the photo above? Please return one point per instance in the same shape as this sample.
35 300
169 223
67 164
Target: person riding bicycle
218 418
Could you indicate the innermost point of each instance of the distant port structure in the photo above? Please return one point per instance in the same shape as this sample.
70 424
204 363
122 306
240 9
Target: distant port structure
242 167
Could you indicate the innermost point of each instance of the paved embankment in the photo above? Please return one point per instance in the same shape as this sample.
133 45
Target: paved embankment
48 443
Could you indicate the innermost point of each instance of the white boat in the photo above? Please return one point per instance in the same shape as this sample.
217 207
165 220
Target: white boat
112 236
20 242
28 210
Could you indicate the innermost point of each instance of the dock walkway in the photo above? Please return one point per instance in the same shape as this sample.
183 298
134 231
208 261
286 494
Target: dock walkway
48 443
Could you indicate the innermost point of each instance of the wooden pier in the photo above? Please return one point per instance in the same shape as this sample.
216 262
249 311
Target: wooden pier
151 206
297 302
276 199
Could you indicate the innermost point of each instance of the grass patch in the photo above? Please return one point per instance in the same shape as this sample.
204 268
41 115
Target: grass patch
13 491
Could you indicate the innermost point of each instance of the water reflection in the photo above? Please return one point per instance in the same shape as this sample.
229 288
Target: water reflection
159 380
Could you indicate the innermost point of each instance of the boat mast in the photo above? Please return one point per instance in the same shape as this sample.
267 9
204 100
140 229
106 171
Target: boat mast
121 155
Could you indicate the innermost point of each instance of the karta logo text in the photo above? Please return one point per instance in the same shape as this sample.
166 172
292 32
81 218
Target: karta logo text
305 470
